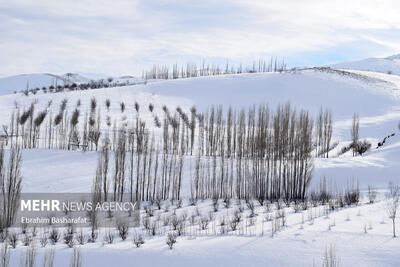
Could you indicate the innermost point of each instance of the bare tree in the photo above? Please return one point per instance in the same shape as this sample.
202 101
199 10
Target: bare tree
372 193
355 132
54 236
138 240
10 186
171 240
393 198
123 228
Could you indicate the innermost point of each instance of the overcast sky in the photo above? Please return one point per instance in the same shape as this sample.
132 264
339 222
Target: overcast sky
122 37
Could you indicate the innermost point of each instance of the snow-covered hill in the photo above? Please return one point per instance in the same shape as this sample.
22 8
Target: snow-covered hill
367 94
362 234
374 96
9 85
17 83
390 65
21 82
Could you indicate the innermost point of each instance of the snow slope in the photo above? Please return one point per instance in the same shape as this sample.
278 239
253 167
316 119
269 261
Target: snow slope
9 85
385 65
17 83
309 89
361 236
374 96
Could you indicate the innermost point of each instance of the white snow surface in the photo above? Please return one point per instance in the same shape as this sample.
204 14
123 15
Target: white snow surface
361 236
18 83
385 65
374 96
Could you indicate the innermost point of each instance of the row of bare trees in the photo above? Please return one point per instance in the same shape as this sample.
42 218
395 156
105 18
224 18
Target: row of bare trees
189 70
236 133
30 129
66 86
255 154
245 153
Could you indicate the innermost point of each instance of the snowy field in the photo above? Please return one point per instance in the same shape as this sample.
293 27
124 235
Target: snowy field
360 234
361 237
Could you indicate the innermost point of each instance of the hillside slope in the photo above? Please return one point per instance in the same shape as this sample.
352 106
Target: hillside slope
18 83
9 85
390 65
360 233
360 93
374 96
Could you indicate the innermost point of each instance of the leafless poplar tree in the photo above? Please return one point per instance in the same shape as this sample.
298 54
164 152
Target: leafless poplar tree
10 185
355 132
393 198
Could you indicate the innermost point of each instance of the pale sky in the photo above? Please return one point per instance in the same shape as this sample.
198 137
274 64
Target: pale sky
122 37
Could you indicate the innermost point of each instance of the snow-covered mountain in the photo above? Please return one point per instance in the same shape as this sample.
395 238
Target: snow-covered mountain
390 65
